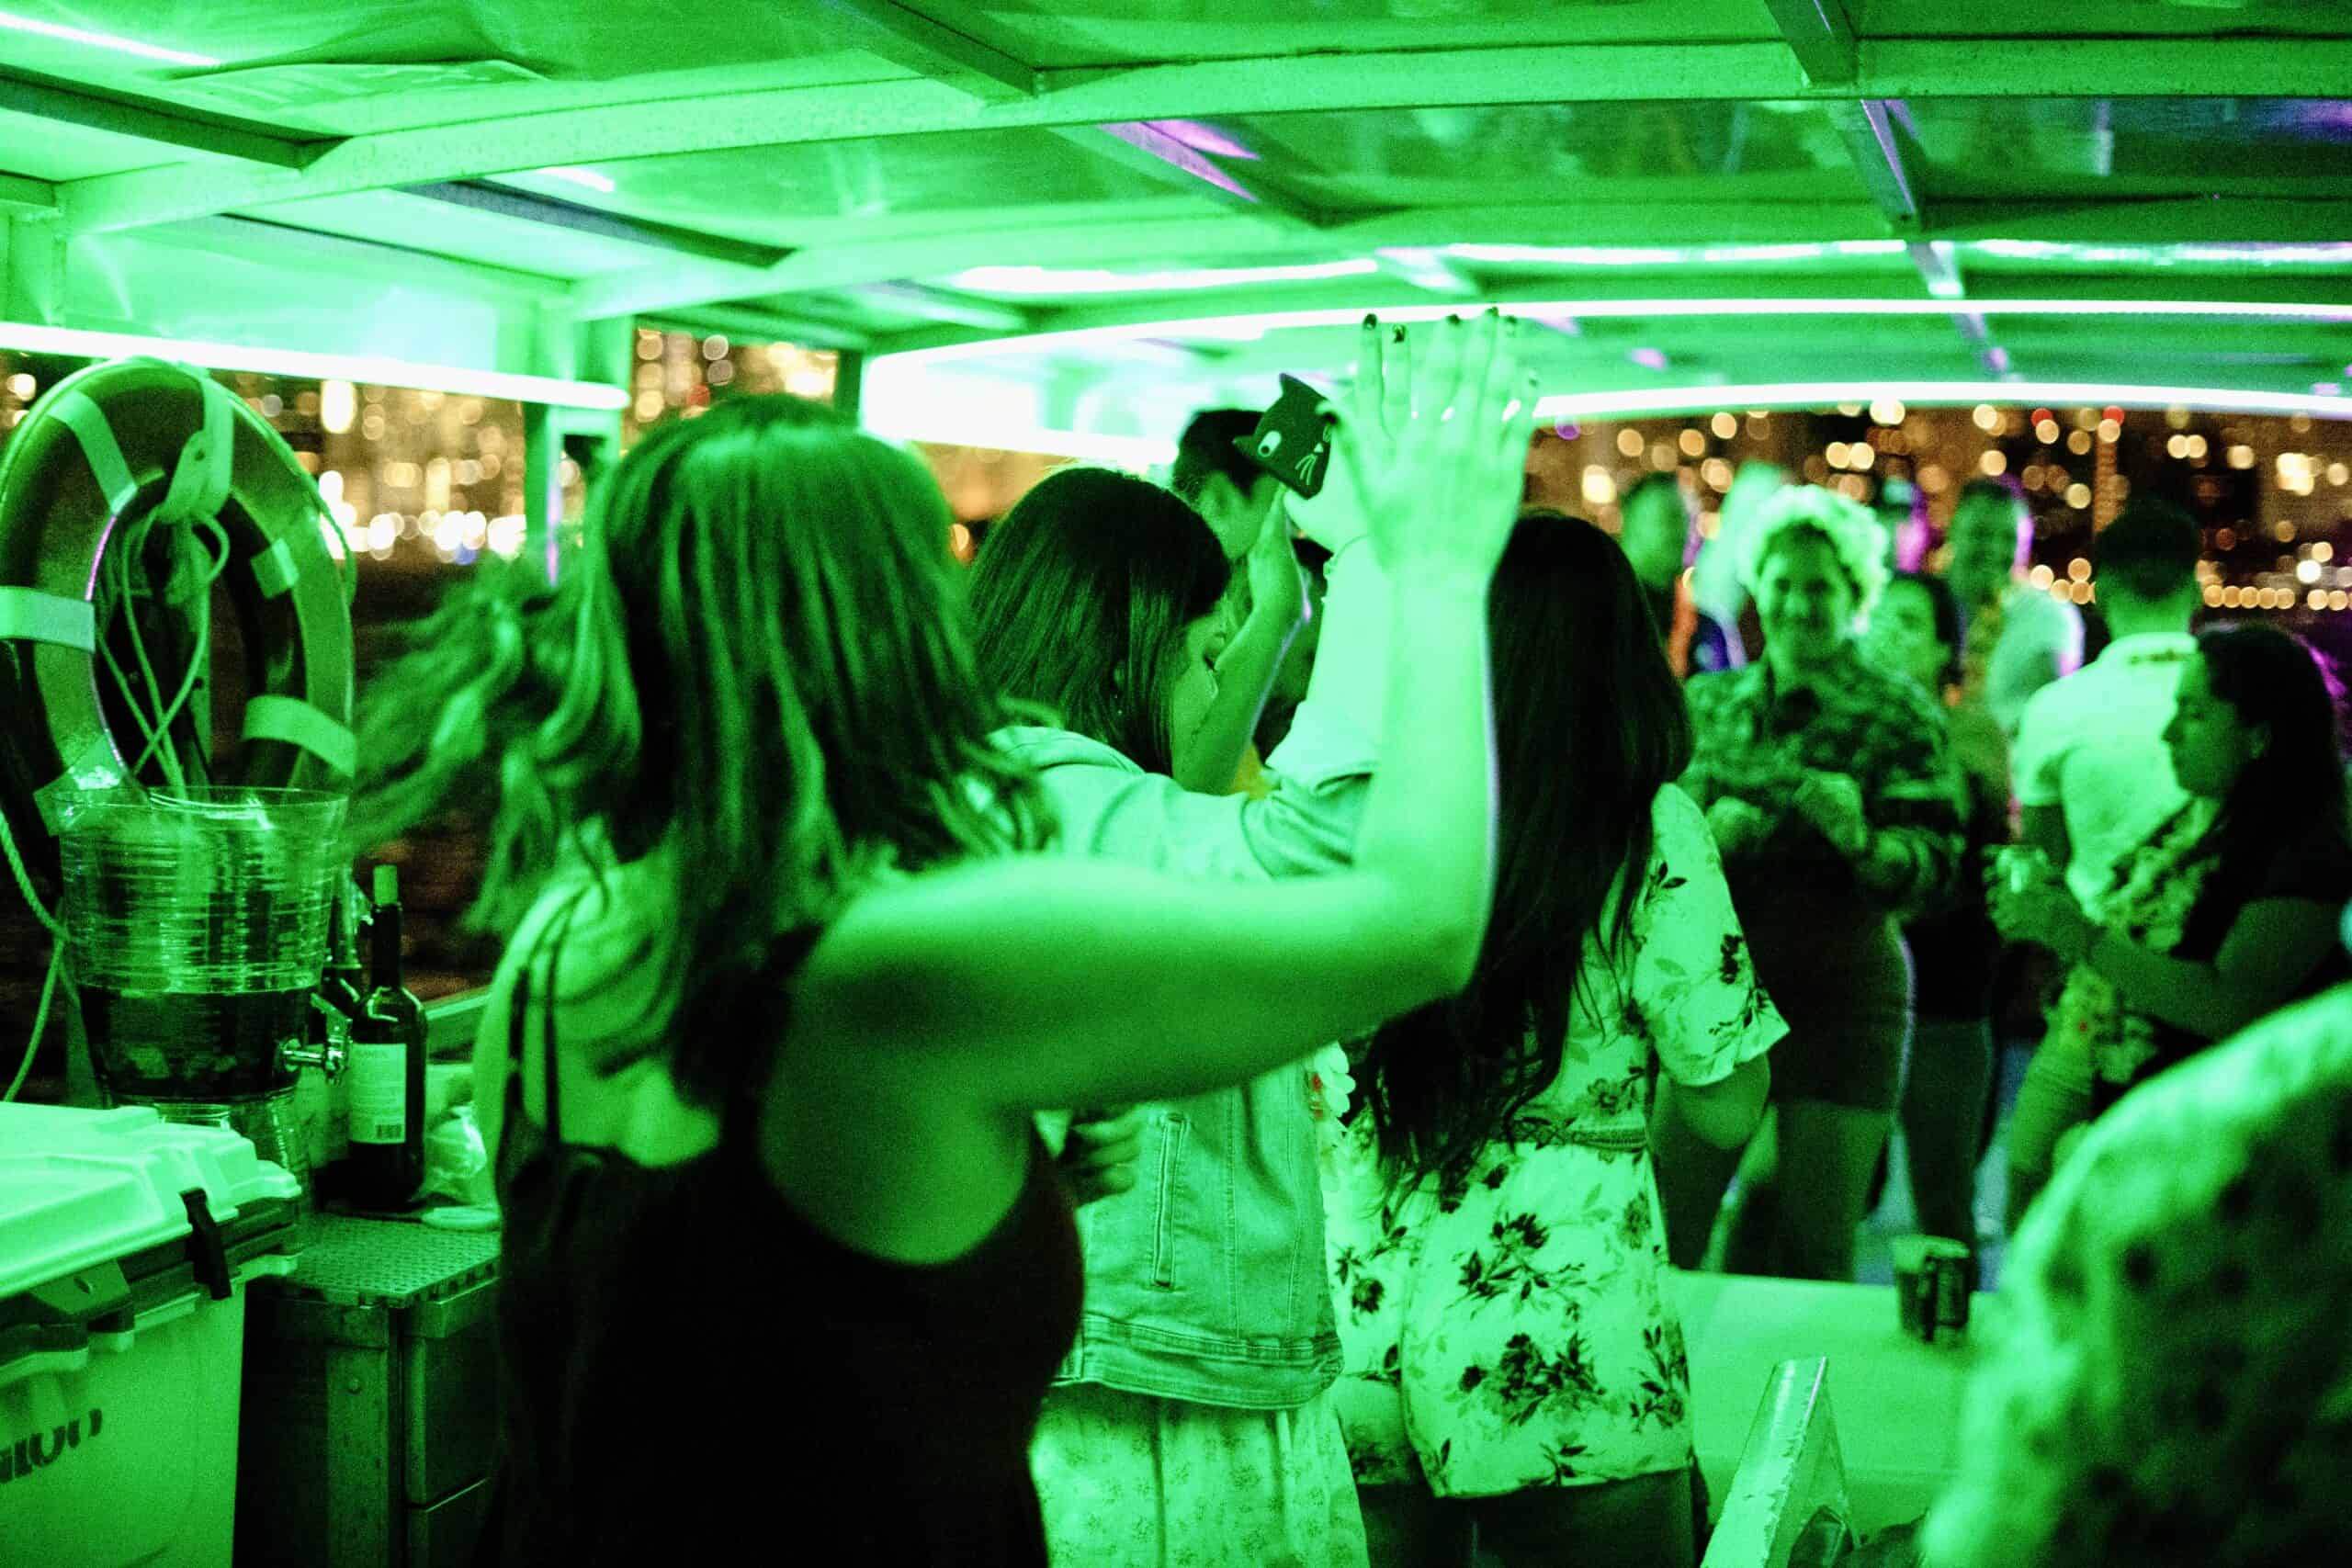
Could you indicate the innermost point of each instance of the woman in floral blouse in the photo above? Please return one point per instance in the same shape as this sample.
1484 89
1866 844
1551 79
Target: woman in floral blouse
1511 1364
2228 909
1828 788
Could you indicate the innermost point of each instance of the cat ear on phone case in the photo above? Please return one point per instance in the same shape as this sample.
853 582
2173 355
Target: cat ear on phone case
1292 441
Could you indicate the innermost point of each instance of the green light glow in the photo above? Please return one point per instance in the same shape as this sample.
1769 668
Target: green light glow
1348 316
588 177
373 369
1056 280
949 425
9 23
1647 255
1829 394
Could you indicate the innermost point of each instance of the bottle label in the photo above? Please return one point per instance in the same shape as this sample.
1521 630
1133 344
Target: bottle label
378 1078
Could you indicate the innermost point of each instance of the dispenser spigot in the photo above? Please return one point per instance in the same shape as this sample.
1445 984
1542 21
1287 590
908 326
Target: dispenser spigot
328 1055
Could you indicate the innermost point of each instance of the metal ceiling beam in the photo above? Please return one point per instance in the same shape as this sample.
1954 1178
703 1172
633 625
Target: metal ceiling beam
1159 156
1978 334
70 104
1876 132
1033 239
753 323
1938 262
2319 217
1895 68
1250 237
947 305
528 206
1821 36
292 245
904 36
20 196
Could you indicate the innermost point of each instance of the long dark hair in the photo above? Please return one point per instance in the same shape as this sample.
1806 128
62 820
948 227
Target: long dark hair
1590 725
2294 793
755 663
1081 597
1943 609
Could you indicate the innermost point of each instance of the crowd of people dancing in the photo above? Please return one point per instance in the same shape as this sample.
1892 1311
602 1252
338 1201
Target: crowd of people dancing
1200 1041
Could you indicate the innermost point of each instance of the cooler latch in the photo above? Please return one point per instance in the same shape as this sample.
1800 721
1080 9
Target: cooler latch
207 1255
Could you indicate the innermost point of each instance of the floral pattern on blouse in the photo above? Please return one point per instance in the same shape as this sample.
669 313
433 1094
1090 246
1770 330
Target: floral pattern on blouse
1754 744
1511 1331
2153 892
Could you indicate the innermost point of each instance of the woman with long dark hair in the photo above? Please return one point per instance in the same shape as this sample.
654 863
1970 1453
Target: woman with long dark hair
1495 1234
1915 630
783 1259
2228 909
1189 1424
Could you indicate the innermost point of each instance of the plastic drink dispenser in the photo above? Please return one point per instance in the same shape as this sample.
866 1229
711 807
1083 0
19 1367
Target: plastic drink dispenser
198 920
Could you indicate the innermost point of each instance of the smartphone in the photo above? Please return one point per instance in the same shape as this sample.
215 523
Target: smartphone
1292 442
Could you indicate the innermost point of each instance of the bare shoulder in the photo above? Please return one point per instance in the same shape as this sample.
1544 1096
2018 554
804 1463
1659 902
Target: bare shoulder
862 1143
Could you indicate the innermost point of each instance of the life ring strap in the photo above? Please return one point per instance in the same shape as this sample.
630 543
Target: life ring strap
200 478
88 424
275 572
27 614
297 723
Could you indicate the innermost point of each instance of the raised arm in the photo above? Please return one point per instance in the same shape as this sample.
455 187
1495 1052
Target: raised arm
1245 669
1095 983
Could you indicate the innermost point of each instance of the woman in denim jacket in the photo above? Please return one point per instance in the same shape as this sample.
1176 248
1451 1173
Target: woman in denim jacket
1191 1423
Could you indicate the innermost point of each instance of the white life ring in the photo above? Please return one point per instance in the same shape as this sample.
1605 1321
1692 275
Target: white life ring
105 447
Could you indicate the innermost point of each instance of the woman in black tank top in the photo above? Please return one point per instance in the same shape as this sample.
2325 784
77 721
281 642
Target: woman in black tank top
689 1311
748 708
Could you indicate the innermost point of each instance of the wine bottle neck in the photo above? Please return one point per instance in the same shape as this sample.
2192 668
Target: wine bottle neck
384 940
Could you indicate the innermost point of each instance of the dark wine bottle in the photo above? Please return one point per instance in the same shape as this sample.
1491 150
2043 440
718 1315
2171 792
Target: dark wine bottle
387 1069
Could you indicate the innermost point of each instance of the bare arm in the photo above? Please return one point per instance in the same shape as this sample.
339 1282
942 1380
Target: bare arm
1099 984
1245 670
1724 1114
1103 983
2274 946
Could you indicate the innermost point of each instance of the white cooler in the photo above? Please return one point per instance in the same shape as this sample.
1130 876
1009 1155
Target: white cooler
126 1243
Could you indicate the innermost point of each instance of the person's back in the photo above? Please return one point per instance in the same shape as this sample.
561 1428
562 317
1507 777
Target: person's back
822 1101
2090 749
686 1302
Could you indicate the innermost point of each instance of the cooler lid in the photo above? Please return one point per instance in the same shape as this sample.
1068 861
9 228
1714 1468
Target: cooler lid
83 1187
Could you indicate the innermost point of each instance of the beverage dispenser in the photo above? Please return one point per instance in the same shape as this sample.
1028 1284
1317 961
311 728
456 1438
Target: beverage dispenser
197 918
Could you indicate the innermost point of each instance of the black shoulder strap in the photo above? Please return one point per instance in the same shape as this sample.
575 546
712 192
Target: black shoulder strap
518 1012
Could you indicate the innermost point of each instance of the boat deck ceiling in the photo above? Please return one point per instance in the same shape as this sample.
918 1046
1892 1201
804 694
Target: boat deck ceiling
1734 193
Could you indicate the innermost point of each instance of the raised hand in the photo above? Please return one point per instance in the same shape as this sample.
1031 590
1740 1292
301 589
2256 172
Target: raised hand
1377 404
1440 494
1277 589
